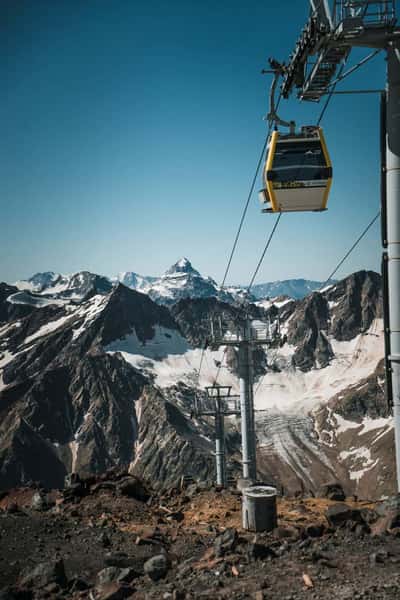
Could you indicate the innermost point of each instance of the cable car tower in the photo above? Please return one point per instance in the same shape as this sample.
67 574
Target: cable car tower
314 68
218 403
245 336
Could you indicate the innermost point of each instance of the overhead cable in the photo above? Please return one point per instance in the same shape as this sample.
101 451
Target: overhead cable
358 240
246 206
271 235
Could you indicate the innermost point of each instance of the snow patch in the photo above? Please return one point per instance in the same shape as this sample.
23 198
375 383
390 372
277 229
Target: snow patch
48 328
165 342
89 311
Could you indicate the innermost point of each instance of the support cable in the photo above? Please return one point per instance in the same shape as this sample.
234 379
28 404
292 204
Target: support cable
271 235
248 201
354 67
358 240
330 94
321 116
243 216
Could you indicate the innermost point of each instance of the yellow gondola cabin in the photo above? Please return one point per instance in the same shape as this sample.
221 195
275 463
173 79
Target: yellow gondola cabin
298 172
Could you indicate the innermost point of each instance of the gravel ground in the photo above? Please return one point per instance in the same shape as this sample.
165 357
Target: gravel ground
98 545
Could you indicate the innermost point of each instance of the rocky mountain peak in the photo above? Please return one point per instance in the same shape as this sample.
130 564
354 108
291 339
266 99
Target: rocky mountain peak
128 310
40 281
183 266
354 303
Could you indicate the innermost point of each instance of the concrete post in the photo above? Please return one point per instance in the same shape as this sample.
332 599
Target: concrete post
393 231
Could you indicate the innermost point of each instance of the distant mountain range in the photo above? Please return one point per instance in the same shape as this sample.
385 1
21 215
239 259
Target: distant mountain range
291 288
111 380
181 280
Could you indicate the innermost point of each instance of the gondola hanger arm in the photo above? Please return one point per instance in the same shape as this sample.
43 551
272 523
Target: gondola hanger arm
272 117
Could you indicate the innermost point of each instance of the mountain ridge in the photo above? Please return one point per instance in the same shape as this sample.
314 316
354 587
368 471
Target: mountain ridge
181 280
110 381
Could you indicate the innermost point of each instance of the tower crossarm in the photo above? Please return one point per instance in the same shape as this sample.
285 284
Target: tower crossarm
321 49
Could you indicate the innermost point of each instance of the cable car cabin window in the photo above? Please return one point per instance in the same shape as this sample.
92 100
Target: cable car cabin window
298 161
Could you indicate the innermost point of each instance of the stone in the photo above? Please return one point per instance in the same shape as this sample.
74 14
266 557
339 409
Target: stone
71 479
256 551
388 514
177 516
338 514
44 574
104 540
12 508
378 557
118 559
332 490
369 516
157 567
107 575
77 584
226 542
314 531
133 488
362 529
282 549
127 575
286 532
39 502
113 591
192 490
75 490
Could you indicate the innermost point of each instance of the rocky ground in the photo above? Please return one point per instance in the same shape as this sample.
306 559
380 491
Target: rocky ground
109 537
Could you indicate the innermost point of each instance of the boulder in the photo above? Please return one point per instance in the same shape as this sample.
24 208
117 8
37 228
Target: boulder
256 551
133 488
332 490
118 559
39 502
315 530
388 516
108 575
44 574
156 567
226 542
339 514
113 591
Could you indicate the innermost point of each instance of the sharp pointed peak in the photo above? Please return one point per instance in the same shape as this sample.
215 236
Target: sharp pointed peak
183 265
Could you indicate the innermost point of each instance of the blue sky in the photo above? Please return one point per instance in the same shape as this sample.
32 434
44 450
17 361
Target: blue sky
131 131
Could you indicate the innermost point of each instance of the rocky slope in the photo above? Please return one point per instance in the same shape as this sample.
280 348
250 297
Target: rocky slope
67 403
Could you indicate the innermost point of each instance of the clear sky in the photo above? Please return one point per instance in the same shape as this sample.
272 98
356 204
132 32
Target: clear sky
130 131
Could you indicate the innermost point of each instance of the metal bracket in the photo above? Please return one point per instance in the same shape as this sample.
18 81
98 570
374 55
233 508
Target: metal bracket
272 117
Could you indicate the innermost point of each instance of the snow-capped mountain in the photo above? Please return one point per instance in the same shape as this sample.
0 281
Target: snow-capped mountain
141 283
111 381
183 281
53 286
291 288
